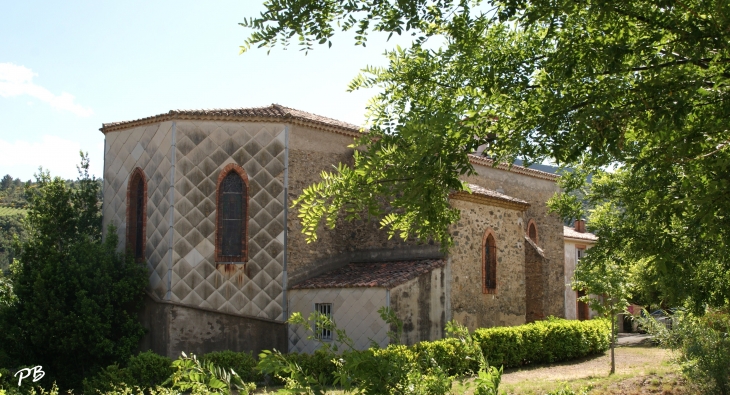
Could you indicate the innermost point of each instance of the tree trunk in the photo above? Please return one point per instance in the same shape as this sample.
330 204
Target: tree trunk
613 340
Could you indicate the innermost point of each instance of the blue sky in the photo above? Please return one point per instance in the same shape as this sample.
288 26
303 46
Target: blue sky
67 67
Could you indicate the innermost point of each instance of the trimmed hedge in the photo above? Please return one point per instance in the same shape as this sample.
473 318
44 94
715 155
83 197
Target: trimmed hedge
548 341
553 340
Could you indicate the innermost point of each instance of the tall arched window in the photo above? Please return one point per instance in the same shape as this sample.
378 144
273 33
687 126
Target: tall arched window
232 215
489 263
137 214
532 230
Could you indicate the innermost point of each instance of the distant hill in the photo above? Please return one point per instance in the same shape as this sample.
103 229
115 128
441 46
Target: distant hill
538 166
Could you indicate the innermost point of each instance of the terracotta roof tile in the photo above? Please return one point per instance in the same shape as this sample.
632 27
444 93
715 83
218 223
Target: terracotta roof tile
571 233
274 112
371 275
487 196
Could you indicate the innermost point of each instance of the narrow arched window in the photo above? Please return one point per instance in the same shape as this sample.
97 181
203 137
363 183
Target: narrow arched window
532 231
489 264
232 214
136 214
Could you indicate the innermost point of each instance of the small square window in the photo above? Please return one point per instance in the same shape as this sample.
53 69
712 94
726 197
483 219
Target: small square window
326 310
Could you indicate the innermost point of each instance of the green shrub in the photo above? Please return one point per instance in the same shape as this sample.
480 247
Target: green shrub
318 363
148 369
242 363
704 345
452 354
194 376
75 297
145 370
426 366
107 379
547 341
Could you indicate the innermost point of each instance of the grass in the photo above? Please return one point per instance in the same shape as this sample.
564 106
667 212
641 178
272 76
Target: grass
639 370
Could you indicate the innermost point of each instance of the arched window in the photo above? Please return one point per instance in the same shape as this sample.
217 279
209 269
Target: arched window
136 214
532 230
489 263
232 215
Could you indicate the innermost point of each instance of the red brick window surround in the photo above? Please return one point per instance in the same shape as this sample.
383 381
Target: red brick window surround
489 263
137 214
231 239
532 230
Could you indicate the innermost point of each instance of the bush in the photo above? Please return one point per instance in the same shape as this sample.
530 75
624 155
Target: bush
549 341
243 363
452 354
319 363
426 366
146 370
704 346
75 297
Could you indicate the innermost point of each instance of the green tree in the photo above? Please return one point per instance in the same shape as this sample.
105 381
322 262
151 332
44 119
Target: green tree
602 275
641 86
10 227
6 182
75 297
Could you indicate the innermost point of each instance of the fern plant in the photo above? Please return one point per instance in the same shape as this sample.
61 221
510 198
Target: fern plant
192 375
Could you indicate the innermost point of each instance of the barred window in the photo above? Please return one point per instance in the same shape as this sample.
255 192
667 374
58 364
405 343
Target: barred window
322 332
136 214
232 216
489 264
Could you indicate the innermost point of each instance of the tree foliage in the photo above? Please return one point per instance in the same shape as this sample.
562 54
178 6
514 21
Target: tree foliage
75 297
635 85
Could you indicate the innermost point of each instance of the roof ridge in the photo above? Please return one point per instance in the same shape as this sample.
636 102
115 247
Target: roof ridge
476 159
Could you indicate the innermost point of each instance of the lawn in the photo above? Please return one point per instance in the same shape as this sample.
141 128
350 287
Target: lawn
642 369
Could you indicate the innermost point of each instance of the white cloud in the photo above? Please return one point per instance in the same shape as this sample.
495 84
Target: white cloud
18 80
59 156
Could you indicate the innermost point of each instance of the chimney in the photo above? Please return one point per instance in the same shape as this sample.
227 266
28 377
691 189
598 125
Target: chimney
580 225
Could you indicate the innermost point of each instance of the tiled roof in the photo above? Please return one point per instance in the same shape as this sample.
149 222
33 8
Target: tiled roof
278 113
571 233
480 160
272 113
380 274
487 196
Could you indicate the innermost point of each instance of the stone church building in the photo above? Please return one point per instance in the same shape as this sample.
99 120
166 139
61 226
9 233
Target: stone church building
203 199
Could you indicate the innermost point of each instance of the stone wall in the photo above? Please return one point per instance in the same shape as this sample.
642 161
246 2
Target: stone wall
311 152
549 226
173 328
535 269
423 305
469 305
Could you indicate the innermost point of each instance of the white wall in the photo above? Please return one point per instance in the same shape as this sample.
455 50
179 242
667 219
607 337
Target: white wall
353 309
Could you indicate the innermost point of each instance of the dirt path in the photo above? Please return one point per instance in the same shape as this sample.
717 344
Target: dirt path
628 360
